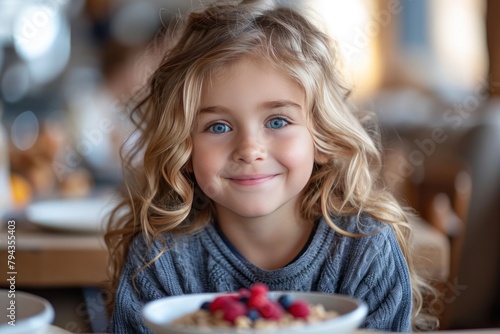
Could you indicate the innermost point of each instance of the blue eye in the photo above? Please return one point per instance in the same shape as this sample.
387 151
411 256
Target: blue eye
219 128
277 123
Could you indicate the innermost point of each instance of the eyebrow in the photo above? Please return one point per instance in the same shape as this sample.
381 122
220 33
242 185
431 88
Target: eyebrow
263 106
280 104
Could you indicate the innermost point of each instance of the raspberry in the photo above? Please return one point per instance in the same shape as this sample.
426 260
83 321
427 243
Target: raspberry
220 301
271 310
285 301
233 310
257 301
299 309
258 289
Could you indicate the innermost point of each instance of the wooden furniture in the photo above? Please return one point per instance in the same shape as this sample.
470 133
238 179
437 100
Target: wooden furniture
443 200
48 259
443 217
492 36
438 186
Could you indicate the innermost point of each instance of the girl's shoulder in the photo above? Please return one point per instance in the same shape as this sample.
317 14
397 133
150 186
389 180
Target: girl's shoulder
364 232
363 224
367 239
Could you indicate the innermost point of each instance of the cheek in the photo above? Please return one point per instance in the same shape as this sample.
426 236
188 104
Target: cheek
297 151
204 176
202 162
206 163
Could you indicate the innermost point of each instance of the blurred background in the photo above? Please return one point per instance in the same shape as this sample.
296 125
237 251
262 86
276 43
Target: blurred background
429 71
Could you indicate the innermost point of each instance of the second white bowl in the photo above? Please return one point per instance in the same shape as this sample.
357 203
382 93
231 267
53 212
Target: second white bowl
31 314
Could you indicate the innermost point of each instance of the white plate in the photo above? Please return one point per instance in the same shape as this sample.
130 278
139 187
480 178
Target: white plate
76 215
160 313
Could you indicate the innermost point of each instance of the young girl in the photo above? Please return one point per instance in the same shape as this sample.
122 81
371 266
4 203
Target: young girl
250 167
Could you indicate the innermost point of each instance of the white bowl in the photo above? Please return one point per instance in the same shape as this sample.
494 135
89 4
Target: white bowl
31 314
160 313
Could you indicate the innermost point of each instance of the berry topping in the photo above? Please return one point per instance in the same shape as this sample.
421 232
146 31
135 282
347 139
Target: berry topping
205 306
254 308
244 299
257 301
253 314
299 309
285 301
233 310
271 310
244 293
220 302
259 289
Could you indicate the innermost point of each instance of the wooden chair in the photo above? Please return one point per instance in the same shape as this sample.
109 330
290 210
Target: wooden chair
439 190
447 211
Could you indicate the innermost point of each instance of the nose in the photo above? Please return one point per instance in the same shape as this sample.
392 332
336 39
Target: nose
249 149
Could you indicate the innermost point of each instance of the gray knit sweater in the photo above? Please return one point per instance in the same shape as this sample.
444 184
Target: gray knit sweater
370 268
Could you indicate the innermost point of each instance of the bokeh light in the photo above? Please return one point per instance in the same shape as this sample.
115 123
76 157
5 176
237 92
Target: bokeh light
15 82
24 131
35 29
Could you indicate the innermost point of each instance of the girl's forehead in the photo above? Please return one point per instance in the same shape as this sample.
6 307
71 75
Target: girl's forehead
250 77
226 71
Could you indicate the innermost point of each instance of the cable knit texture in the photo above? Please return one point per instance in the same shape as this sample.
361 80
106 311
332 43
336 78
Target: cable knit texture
370 268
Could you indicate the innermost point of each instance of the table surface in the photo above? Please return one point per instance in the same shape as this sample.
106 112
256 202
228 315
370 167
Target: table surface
48 258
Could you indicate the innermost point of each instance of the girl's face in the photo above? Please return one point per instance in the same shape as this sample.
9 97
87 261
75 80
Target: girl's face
252 151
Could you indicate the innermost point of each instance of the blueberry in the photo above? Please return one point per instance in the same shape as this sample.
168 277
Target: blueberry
253 314
285 301
205 306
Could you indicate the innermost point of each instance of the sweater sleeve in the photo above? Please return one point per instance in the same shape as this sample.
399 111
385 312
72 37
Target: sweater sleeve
130 298
385 285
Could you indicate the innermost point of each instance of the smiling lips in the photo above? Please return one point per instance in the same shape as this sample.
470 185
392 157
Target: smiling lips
252 180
